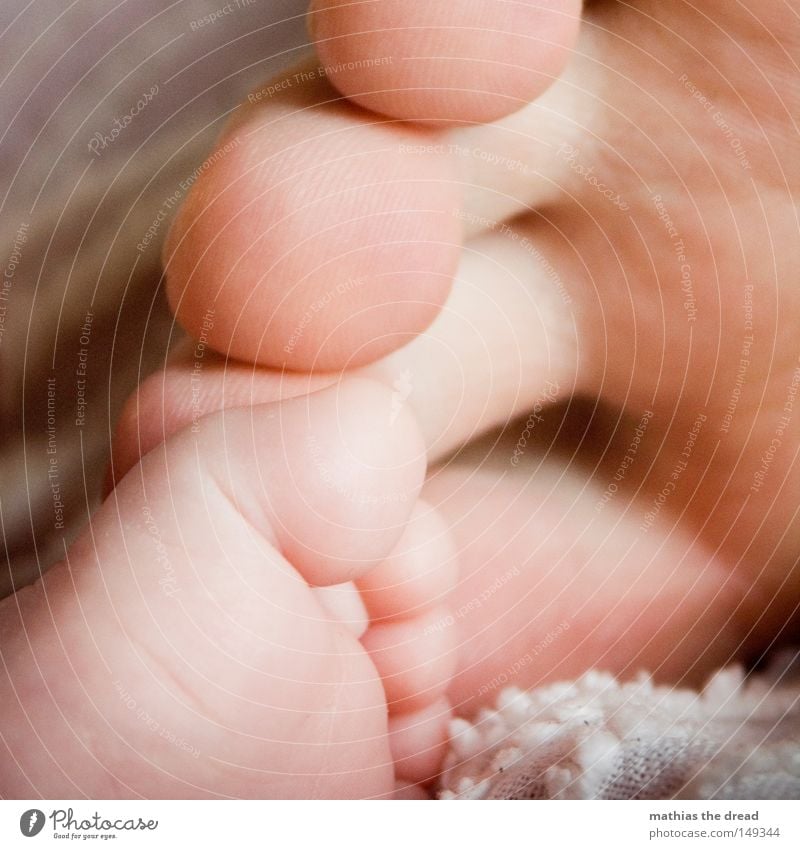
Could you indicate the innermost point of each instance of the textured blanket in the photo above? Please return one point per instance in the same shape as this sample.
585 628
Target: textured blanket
595 738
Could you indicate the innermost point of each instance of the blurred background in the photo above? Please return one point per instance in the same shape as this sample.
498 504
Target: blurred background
106 107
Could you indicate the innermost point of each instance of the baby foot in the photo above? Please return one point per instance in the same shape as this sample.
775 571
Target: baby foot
205 637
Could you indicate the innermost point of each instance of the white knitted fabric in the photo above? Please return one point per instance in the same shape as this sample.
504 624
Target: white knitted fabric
598 739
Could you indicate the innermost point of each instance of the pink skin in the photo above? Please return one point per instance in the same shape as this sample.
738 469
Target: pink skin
182 649
505 254
468 61
720 558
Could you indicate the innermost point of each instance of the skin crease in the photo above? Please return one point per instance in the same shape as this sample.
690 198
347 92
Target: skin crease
715 576
209 632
